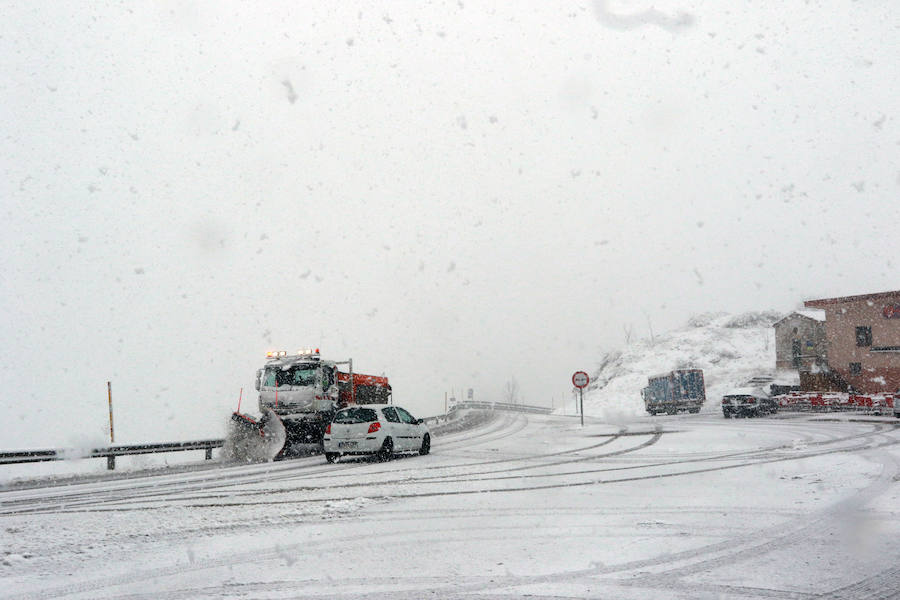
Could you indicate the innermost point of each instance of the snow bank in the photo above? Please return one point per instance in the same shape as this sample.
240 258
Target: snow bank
731 349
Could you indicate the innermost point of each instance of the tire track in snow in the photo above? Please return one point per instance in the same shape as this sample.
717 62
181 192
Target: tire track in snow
452 589
763 459
572 484
786 535
74 502
757 455
497 490
255 493
34 501
884 585
444 478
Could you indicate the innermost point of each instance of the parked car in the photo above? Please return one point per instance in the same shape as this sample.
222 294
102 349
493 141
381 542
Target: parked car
377 429
747 402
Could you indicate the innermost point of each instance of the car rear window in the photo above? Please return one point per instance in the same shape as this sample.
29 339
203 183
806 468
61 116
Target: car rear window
355 415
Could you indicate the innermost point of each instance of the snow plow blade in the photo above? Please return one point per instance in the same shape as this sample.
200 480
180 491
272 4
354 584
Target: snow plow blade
252 440
246 424
304 436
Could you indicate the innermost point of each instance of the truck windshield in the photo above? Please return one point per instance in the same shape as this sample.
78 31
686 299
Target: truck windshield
298 375
658 389
355 415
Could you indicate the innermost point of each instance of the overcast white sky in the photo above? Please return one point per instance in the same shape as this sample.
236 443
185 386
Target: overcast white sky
450 193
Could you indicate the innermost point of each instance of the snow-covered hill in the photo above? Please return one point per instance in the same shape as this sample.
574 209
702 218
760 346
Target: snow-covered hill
730 349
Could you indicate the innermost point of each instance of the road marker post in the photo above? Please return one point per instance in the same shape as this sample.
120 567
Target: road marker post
110 460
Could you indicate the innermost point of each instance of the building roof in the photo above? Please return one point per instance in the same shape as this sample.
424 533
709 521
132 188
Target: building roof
823 302
814 314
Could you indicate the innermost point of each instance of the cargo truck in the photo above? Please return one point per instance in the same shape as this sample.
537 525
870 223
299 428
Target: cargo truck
682 390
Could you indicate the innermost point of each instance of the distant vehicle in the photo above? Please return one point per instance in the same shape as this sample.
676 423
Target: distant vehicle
747 402
679 390
379 429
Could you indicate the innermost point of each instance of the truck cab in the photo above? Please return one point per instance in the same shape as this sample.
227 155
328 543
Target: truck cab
297 384
303 392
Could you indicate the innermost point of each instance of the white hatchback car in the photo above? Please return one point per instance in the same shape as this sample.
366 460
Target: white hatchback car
379 429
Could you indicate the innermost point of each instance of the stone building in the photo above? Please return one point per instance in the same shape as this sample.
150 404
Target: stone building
800 340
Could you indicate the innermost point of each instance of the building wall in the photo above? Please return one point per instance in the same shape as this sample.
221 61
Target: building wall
808 332
878 371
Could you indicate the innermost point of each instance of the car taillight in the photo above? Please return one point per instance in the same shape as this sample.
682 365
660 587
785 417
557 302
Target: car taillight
374 427
328 429
751 400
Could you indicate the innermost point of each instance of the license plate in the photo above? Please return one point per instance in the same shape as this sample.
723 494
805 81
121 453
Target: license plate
347 444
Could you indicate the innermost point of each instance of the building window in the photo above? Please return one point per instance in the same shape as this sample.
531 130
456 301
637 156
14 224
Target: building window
863 336
855 368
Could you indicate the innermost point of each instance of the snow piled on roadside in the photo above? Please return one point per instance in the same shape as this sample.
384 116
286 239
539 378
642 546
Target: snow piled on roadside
730 349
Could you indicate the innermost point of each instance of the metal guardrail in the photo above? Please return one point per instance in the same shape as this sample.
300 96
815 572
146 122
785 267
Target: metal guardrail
543 410
436 419
29 456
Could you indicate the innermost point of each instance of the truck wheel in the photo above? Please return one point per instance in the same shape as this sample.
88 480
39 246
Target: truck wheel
727 414
331 456
426 445
387 450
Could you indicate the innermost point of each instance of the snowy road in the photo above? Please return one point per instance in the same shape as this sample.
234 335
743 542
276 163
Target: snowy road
669 507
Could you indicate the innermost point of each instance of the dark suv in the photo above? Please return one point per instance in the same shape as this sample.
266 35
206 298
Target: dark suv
747 403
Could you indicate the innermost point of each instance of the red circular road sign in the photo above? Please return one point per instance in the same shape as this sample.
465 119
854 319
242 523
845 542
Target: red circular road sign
580 379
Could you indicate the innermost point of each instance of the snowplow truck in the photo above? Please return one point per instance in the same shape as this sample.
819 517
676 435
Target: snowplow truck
300 393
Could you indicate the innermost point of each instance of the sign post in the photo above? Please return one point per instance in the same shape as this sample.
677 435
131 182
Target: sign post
580 380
